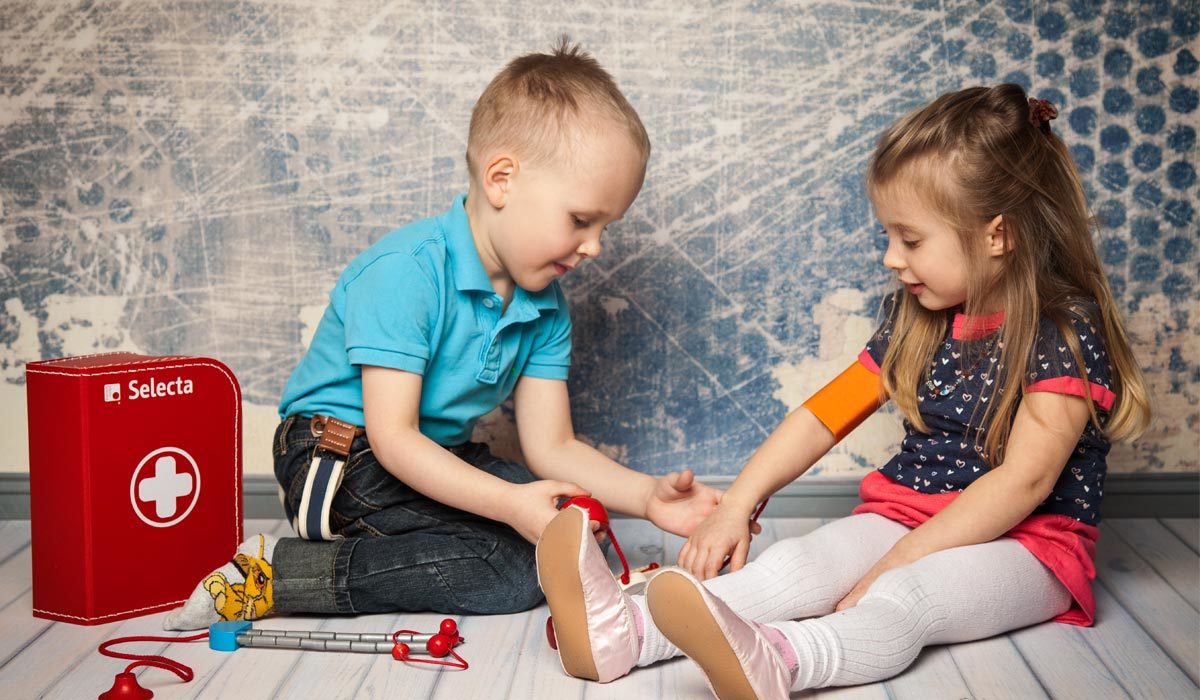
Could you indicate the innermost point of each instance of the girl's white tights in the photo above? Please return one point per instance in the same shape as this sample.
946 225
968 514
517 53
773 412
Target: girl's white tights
955 595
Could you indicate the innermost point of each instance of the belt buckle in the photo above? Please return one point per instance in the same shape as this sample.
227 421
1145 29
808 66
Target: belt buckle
336 436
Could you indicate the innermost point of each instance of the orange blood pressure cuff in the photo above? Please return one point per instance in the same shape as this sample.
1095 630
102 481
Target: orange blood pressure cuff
847 400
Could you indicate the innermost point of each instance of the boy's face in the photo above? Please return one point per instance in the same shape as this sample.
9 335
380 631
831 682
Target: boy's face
554 212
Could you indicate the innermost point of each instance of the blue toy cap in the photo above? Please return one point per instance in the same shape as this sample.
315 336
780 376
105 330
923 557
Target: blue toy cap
222 636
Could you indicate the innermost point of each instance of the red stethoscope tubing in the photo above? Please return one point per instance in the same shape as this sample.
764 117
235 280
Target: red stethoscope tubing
181 670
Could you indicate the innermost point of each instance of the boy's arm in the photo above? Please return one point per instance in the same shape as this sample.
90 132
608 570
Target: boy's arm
391 401
675 502
1045 431
803 437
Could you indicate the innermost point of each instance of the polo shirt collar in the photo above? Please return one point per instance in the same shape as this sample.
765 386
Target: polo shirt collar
545 300
468 272
467 268
528 306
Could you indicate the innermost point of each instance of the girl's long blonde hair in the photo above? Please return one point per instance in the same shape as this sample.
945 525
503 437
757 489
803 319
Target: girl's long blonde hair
971 155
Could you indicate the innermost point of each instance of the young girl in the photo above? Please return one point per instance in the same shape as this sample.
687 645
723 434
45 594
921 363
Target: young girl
1006 355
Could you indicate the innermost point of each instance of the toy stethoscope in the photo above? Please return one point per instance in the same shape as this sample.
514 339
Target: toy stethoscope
233 635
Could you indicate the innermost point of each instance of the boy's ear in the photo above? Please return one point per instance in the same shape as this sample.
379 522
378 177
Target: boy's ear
497 179
997 242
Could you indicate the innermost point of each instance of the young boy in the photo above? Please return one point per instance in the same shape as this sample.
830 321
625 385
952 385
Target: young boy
428 330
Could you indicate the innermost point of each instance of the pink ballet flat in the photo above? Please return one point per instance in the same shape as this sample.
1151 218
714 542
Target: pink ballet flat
737 660
593 621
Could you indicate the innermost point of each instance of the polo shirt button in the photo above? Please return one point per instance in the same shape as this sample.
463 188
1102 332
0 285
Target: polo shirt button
487 301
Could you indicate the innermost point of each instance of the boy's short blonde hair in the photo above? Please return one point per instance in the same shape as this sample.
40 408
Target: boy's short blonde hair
539 100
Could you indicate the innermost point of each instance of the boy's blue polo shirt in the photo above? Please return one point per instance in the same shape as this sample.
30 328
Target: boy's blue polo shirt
420 301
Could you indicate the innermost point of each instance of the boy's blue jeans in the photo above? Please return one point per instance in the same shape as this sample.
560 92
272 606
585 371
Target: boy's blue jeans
400 550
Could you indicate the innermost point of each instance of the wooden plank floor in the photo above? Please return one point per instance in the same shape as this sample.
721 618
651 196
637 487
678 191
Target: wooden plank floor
1146 644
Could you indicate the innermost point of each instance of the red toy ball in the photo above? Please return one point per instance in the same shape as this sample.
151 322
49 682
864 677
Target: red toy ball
593 507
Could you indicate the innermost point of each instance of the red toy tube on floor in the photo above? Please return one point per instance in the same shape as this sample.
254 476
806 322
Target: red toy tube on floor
135 474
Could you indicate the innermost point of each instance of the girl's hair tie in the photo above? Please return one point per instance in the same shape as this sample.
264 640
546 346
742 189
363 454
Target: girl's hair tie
1041 112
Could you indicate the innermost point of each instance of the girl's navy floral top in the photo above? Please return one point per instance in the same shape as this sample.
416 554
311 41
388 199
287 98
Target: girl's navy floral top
965 375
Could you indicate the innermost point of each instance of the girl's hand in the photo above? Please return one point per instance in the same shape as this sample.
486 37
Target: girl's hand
532 506
723 534
678 503
891 560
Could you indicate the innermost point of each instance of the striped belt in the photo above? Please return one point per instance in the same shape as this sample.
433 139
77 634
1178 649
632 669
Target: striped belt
324 476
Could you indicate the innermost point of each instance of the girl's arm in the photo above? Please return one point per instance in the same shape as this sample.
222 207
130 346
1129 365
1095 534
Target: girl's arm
799 441
1045 431
675 502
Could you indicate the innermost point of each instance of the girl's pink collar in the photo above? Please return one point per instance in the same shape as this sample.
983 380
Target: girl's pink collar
972 327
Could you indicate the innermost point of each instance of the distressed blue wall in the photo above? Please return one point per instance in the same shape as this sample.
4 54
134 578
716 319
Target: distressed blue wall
190 177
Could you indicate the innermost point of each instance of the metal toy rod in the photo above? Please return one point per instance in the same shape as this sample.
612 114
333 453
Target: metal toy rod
356 642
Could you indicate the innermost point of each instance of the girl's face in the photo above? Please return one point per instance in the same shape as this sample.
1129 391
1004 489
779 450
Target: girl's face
924 251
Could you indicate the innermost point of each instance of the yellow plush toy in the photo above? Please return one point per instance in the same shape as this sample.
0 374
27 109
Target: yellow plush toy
243 601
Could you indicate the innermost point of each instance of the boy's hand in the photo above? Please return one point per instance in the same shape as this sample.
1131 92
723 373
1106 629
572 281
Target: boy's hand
723 534
532 506
678 503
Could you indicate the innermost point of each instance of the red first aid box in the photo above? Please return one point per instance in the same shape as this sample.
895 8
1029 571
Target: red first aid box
135 473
